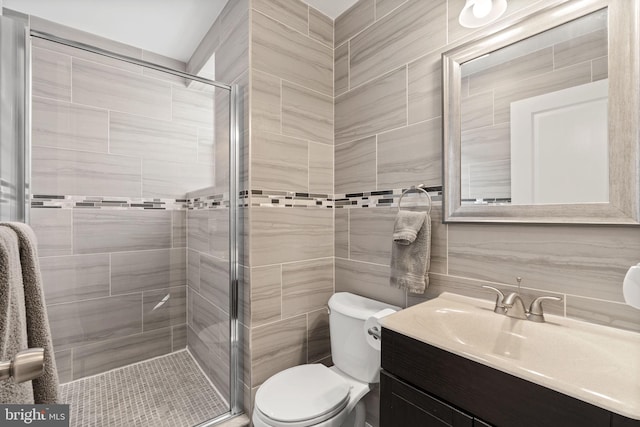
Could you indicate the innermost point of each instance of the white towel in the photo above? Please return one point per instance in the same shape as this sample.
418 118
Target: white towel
411 251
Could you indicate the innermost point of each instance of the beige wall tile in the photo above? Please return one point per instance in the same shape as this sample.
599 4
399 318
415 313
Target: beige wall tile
165 61
293 13
73 278
372 108
284 235
425 88
232 55
266 294
63 125
318 336
583 48
354 20
51 73
320 27
341 224
286 53
306 114
412 30
604 313
179 229
147 270
279 162
385 6
320 168
192 107
163 308
107 87
265 102
166 179
368 280
306 286
557 258
341 69
278 346
490 179
600 68
355 165
53 230
410 155
438 240
73 172
486 144
206 146
193 269
63 365
214 281
147 138
178 337
218 233
476 111
370 234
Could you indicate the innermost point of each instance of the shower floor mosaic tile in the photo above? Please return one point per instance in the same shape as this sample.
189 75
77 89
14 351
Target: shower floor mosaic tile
167 391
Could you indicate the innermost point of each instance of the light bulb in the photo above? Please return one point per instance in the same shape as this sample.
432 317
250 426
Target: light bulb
482 8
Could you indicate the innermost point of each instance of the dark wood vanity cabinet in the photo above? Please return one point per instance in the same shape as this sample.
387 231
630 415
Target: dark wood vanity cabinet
424 386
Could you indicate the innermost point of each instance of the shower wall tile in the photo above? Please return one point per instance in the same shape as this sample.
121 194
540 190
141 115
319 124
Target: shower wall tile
320 168
232 55
319 339
355 165
284 235
207 321
164 179
278 346
341 69
62 125
192 107
206 146
375 107
76 277
63 366
306 286
200 351
193 269
165 61
425 88
370 232
219 233
306 114
291 13
147 270
265 99
412 30
214 281
84 322
279 162
179 228
590 264
100 357
178 337
51 73
152 139
371 280
290 55
320 27
341 241
115 231
385 6
163 308
53 230
266 294
60 172
197 230
410 155
354 20
106 87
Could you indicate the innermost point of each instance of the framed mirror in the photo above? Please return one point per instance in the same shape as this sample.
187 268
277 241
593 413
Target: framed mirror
541 118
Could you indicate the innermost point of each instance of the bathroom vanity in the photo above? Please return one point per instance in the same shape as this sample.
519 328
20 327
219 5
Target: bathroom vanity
440 369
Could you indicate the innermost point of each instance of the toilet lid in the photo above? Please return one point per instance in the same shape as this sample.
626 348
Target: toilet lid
301 393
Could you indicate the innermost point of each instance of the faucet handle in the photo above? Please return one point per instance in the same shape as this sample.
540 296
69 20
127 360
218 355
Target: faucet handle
499 308
536 313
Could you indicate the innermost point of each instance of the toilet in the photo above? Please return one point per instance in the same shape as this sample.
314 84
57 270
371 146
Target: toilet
316 395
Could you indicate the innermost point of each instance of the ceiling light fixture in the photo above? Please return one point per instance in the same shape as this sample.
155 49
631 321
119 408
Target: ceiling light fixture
477 13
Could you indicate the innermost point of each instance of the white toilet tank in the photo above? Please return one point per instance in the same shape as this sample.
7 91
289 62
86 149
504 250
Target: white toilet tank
349 349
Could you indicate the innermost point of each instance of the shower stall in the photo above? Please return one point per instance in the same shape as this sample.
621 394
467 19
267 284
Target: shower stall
127 171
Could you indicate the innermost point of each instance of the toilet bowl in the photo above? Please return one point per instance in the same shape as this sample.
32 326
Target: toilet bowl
320 396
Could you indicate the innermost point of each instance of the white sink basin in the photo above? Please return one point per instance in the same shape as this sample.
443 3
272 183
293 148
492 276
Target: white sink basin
597 364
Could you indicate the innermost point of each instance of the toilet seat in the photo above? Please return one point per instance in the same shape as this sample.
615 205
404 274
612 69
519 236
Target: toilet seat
302 396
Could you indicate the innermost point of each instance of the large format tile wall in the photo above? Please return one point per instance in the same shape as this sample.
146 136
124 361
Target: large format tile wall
116 148
290 274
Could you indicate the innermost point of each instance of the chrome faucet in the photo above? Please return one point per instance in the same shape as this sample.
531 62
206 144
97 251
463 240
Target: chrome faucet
513 306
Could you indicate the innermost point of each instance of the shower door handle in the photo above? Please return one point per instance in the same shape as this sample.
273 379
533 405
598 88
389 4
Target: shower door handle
25 366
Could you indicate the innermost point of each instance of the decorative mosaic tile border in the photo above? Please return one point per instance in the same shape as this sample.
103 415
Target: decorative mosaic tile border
98 202
285 199
381 198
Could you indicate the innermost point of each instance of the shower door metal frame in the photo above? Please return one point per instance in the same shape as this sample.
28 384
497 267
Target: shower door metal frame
235 390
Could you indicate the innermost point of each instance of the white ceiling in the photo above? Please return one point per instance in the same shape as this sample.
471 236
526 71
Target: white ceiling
172 28
331 8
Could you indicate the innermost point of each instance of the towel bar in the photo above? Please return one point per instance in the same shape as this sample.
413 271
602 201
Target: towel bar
25 366
420 187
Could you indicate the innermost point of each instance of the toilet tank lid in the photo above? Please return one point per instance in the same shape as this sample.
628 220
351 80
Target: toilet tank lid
357 306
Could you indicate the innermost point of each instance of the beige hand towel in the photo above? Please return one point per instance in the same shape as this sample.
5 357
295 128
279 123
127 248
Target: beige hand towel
45 388
411 256
13 334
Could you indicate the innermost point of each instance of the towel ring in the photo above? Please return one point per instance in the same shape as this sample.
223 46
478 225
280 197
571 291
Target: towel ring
418 188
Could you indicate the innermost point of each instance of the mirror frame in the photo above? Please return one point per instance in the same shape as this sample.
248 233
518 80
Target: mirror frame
623 117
